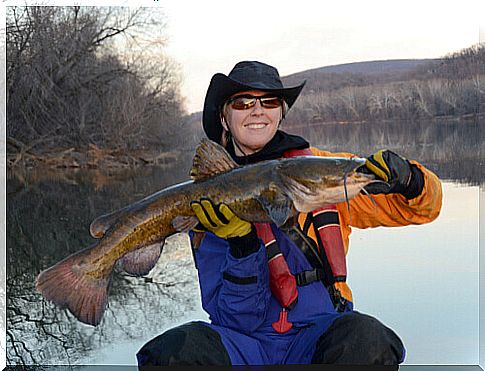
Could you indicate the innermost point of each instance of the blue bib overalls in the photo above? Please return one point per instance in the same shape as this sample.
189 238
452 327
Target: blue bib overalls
236 295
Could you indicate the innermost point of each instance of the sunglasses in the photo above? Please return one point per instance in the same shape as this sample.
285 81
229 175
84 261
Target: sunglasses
242 102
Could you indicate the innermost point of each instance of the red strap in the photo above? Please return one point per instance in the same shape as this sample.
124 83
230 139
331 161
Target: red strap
282 325
298 152
281 282
265 233
332 241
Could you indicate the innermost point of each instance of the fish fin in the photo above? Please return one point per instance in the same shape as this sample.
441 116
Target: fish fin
210 159
141 261
184 224
102 223
279 209
67 285
303 197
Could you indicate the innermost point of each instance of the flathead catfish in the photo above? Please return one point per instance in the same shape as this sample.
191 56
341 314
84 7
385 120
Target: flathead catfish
269 191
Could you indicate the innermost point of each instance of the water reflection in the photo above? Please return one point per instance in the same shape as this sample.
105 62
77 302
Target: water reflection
454 150
48 216
48 219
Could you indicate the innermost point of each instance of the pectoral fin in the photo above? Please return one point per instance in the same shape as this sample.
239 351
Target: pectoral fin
304 199
278 209
184 223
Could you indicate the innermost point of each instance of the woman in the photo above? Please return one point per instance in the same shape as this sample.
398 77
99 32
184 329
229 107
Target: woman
279 297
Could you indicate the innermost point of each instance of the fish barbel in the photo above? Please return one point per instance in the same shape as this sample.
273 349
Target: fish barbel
268 192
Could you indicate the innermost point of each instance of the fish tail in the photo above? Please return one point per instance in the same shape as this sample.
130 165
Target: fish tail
70 286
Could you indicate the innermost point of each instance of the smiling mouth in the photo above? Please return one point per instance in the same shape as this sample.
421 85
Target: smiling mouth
256 125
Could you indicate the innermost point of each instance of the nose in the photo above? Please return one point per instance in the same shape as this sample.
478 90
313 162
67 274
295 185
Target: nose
257 109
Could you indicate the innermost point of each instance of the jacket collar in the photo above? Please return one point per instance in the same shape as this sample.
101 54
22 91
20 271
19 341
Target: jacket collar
274 149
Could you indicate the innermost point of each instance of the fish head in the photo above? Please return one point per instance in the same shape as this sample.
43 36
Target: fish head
313 182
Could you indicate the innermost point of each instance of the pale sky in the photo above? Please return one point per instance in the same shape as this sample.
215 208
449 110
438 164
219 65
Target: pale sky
206 37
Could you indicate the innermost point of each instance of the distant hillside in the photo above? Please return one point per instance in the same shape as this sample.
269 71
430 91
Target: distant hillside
392 90
359 74
368 67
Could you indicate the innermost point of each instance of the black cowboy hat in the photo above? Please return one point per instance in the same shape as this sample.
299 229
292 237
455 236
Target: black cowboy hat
247 75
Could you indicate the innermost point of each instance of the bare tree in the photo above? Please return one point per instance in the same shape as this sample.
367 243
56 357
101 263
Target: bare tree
77 76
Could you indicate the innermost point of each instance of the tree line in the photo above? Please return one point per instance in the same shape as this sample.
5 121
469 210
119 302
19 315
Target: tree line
451 86
81 76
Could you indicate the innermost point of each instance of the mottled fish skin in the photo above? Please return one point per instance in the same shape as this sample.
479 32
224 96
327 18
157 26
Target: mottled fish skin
300 184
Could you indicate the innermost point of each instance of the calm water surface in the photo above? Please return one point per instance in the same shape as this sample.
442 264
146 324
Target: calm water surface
421 280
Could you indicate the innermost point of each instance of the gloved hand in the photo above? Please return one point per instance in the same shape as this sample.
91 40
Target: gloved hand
400 176
240 234
220 220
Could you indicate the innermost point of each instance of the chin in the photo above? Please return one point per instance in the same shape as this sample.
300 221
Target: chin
259 141
256 146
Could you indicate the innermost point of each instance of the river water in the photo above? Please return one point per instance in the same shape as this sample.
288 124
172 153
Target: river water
423 281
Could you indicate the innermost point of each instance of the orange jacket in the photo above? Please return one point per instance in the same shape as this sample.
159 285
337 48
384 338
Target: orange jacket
391 210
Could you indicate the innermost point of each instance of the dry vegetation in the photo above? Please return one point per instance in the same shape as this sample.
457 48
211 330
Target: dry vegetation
83 78
451 86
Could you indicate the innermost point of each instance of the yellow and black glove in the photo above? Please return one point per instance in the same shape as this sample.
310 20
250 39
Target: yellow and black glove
398 173
221 221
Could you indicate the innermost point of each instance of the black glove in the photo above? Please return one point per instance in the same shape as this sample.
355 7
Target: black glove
399 174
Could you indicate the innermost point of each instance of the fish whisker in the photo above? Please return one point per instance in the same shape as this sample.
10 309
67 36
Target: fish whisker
345 191
370 197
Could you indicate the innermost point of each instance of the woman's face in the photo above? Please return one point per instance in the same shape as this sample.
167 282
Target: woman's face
253 127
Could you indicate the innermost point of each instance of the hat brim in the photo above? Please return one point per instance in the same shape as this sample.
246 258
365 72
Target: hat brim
222 87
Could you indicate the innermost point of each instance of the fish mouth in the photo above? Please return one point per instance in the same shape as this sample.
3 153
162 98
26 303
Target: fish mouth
358 178
351 178
331 192
354 183
350 186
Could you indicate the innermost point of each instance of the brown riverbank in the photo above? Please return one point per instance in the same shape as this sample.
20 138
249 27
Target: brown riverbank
90 158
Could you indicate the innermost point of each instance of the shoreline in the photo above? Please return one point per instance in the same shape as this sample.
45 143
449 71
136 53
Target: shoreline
92 158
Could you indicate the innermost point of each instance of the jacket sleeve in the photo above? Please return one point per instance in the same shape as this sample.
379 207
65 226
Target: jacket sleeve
393 209
235 291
